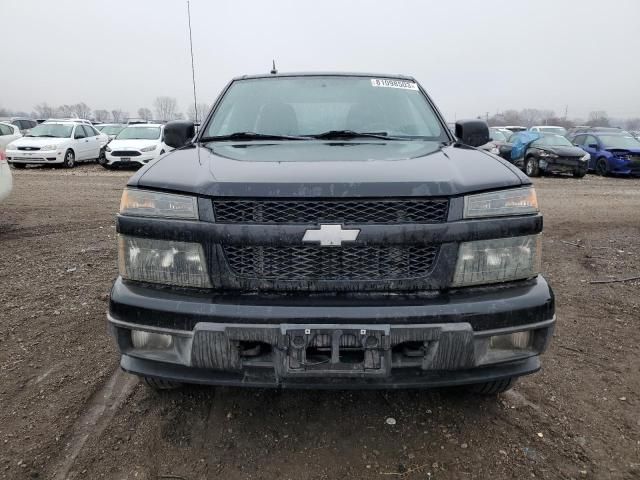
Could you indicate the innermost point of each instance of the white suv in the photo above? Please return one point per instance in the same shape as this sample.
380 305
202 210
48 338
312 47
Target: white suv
136 145
57 142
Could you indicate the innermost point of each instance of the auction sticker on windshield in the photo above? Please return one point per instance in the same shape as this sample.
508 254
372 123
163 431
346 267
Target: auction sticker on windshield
383 82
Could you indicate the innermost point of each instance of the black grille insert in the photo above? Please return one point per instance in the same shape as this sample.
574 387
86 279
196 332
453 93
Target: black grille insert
336 211
313 263
125 153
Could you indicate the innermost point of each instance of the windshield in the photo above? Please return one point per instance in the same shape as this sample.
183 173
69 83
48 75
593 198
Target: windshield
312 105
556 130
57 130
497 136
111 129
615 141
553 141
139 133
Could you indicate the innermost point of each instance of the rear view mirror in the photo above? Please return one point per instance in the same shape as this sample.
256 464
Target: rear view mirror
472 132
178 133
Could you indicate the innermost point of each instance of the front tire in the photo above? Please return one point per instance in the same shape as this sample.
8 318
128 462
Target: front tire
579 172
531 167
602 168
102 157
69 159
495 387
158 384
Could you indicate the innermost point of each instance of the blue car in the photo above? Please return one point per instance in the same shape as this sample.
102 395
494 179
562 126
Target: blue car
611 153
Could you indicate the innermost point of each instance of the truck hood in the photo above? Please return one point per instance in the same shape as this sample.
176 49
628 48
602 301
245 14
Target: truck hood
335 169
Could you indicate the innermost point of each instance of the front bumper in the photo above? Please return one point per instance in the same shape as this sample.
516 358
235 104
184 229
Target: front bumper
141 159
390 341
35 157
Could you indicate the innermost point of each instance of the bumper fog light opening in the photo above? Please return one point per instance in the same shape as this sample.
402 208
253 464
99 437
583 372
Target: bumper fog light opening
151 341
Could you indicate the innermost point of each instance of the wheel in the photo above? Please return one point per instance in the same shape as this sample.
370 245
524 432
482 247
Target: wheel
107 166
159 384
102 158
579 172
495 387
19 166
531 167
69 159
601 167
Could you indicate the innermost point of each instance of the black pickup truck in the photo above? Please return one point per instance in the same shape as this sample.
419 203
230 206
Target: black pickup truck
329 231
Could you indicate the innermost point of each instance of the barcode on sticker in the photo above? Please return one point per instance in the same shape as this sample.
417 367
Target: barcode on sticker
383 82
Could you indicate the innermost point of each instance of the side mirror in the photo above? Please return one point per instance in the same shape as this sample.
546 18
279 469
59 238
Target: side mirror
472 132
178 133
594 146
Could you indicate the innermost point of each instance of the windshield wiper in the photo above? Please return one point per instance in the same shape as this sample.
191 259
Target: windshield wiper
251 136
334 134
47 136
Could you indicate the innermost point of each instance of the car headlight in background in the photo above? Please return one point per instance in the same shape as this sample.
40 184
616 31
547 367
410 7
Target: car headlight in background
149 149
548 155
517 201
586 157
166 262
498 260
146 203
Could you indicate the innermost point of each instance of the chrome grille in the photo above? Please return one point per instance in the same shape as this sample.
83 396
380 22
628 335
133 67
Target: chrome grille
315 211
313 263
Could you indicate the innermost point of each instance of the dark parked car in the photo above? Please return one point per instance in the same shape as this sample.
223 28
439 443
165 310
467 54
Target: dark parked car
553 153
611 152
328 231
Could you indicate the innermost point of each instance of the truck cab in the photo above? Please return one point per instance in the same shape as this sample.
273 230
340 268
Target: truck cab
327 230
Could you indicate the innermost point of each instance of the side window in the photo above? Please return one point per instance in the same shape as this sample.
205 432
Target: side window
79 132
88 131
579 140
33 123
18 123
5 130
590 140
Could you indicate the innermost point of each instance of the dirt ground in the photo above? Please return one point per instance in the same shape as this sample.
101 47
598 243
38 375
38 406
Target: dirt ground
66 410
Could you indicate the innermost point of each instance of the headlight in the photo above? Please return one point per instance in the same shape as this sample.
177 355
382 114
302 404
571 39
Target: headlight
497 260
162 261
145 203
548 155
11 147
586 157
49 147
495 150
517 201
108 149
148 149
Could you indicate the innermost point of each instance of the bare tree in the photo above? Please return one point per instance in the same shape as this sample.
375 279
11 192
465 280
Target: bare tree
66 111
145 113
633 124
117 115
598 118
199 113
44 110
82 110
101 115
165 107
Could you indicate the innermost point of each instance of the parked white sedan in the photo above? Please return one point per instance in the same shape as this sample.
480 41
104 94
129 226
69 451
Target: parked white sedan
6 182
8 133
57 142
136 145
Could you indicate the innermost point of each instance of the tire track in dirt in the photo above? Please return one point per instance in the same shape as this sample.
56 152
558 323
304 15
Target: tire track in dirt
100 410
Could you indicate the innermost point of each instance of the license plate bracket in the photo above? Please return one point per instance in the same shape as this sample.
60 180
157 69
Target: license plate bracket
336 351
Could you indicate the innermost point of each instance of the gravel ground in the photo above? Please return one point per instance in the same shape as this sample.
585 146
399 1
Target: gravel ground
66 411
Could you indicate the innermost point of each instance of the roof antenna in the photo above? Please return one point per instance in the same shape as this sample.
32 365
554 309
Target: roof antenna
273 70
193 69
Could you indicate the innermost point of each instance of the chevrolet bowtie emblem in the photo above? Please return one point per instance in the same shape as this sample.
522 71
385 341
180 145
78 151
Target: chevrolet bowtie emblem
330 235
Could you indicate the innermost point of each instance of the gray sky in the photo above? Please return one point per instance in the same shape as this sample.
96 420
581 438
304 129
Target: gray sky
471 56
